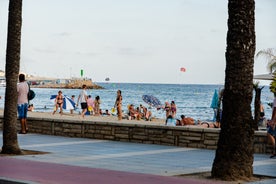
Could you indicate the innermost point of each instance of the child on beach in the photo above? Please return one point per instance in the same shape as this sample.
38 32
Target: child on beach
31 107
90 105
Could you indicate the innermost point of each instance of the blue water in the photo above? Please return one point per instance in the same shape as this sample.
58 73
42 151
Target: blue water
191 100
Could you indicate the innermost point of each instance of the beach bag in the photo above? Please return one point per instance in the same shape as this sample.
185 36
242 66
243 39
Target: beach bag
31 93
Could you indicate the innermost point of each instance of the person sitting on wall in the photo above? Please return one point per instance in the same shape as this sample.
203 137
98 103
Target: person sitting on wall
170 121
186 120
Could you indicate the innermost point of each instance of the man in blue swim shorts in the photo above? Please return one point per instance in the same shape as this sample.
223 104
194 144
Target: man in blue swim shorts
22 103
271 135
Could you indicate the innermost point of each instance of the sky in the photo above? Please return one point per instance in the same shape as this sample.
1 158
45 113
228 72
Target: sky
136 41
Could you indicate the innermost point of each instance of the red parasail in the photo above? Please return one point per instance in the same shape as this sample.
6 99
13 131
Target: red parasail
182 69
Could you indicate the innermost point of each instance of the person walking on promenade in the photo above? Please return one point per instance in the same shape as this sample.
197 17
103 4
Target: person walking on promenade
22 103
58 103
82 99
118 105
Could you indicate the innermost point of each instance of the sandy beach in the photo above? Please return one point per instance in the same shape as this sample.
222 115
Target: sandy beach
111 119
76 116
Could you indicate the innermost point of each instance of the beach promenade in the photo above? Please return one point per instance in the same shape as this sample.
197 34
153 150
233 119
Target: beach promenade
81 160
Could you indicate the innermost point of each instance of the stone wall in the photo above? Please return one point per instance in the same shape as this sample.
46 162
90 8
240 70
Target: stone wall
192 137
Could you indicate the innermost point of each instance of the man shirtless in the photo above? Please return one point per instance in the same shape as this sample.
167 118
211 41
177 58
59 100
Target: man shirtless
186 121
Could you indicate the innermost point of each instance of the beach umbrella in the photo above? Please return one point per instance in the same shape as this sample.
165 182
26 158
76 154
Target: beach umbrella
152 101
68 103
215 104
215 100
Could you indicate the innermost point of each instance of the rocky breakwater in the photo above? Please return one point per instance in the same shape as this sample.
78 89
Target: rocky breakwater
71 84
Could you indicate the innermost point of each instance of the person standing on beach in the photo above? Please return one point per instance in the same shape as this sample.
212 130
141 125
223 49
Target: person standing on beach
22 103
173 109
83 100
97 103
58 103
73 99
118 105
167 108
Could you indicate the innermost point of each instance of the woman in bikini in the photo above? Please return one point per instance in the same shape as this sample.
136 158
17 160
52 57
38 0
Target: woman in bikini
167 108
173 109
118 104
97 103
58 103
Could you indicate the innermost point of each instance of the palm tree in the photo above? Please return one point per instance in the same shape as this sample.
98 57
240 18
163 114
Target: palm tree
10 143
270 55
234 154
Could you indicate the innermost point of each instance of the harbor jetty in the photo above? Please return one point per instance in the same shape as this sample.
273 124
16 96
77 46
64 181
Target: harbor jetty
47 82
72 83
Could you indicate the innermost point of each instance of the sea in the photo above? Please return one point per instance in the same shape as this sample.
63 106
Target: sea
192 100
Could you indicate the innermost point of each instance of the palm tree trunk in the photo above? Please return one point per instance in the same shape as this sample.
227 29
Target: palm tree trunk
10 143
234 154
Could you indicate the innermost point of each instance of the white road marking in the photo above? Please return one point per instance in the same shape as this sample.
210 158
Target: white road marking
118 155
62 143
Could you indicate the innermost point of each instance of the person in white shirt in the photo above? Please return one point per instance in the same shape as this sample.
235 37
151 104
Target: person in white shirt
22 103
83 100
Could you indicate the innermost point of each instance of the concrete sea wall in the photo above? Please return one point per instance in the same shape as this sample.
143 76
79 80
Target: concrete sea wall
192 137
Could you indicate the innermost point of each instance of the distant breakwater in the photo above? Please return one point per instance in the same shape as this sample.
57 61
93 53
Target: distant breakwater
76 84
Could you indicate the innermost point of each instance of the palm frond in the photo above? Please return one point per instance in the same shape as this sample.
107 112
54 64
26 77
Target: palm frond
256 84
271 66
270 55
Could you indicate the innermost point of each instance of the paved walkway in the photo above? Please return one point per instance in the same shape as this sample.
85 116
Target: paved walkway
79 160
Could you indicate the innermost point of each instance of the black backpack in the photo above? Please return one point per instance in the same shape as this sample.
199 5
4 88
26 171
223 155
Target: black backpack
31 93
